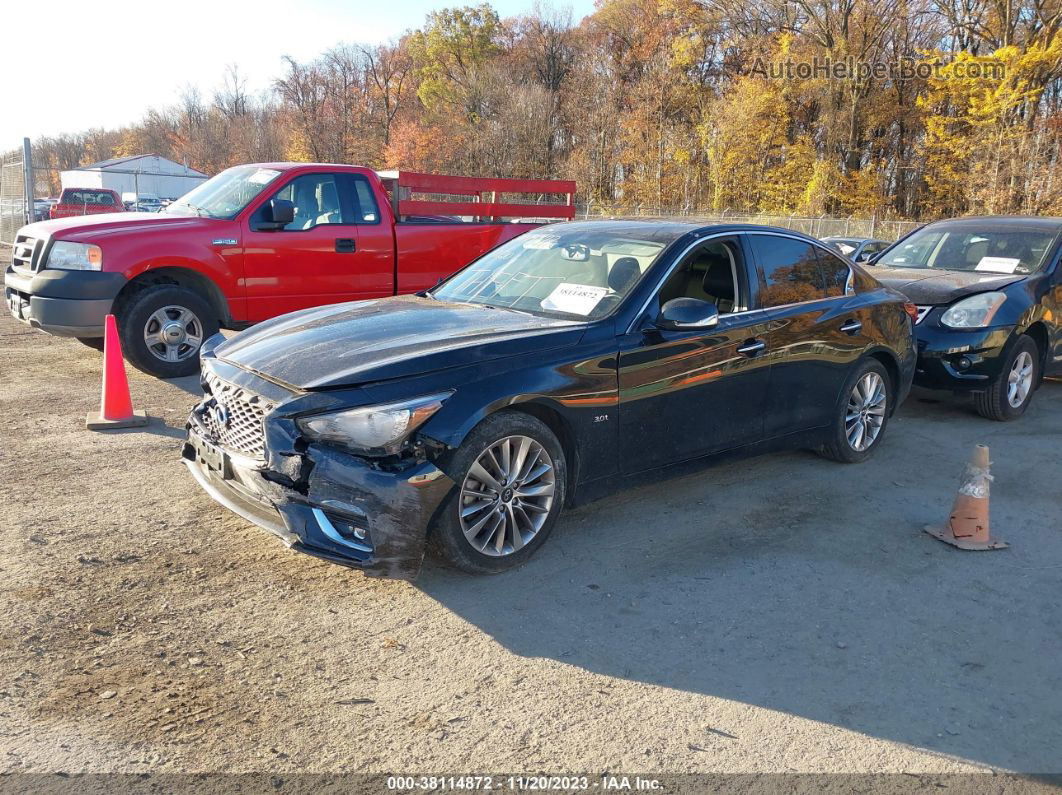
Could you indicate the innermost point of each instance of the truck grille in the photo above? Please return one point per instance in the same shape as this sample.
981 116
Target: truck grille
234 418
27 253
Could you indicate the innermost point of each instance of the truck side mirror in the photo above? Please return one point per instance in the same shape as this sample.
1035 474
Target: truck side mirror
277 214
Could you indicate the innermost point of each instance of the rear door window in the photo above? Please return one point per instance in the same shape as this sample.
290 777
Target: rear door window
793 272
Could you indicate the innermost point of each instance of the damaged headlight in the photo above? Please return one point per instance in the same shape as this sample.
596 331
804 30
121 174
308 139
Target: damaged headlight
976 311
373 429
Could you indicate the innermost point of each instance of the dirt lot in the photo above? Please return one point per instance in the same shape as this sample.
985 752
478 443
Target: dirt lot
781 614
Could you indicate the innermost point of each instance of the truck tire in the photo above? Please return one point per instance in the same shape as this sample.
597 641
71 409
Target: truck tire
162 328
96 343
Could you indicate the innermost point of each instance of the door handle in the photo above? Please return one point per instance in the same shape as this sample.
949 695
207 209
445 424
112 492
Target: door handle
345 245
851 327
751 348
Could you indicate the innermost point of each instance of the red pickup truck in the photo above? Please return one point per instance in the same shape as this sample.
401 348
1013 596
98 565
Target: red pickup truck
86 201
258 241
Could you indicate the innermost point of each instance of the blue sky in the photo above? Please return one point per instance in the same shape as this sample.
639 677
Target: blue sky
75 64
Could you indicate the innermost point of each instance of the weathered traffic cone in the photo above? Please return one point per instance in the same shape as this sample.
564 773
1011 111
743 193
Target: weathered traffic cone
116 406
967 527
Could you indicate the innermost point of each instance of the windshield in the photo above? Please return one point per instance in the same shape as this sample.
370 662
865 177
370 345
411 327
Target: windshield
226 194
558 271
966 248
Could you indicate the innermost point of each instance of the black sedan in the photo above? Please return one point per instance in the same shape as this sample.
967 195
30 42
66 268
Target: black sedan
989 296
563 365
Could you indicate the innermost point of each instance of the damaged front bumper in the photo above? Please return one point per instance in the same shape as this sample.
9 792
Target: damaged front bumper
338 506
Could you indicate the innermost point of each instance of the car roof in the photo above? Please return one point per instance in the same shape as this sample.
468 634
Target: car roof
1002 221
667 230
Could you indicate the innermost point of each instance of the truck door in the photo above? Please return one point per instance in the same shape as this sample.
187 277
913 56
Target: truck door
336 249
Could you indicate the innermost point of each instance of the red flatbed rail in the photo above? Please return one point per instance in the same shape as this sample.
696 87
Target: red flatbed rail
485 190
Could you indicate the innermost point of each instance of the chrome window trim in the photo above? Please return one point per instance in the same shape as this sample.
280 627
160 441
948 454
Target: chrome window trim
737 233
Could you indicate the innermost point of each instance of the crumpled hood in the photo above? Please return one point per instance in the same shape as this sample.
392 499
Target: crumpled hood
364 341
88 228
931 287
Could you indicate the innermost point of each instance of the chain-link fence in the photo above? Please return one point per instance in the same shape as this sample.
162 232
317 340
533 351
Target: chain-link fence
816 226
16 191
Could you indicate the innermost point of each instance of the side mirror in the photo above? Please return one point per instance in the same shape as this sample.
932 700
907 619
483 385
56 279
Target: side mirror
864 256
687 313
277 214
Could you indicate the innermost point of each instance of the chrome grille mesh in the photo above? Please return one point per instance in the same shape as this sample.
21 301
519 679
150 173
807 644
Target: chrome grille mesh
239 427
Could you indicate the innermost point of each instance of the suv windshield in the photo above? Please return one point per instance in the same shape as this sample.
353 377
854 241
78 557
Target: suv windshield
991 249
582 273
225 195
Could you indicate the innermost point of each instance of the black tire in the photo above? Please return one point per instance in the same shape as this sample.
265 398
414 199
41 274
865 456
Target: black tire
838 447
995 404
447 537
134 315
96 343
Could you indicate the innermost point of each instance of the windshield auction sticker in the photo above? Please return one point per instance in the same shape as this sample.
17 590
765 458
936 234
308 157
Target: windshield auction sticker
997 264
576 299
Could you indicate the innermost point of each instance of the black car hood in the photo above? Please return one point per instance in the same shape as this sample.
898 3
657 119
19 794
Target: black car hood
363 341
929 287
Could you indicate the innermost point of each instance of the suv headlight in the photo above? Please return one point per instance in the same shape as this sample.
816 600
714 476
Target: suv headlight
74 256
976 311
373 429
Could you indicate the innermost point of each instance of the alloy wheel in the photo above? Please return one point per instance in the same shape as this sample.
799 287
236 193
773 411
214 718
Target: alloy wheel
1020 379
865 415
173 333
507 495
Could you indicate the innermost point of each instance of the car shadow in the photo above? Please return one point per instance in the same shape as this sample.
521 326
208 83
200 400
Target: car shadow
807 587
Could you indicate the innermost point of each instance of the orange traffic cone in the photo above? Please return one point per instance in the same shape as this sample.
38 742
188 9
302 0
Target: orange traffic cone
116 406
967 527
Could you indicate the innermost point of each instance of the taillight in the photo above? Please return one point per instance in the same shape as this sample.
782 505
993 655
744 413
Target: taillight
911 310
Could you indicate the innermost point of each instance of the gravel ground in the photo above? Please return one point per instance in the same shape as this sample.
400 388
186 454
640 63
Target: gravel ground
778 614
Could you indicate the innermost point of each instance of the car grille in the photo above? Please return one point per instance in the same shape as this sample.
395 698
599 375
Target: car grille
234 418
27 253
922 312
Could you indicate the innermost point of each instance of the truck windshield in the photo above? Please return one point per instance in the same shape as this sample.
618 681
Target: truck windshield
990 249
226 194
579 273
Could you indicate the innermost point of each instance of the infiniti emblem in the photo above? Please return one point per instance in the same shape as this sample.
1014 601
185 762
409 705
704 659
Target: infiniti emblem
220 415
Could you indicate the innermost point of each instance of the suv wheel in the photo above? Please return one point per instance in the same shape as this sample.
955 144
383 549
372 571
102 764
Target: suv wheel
510 474
862 414
162 329
1010 395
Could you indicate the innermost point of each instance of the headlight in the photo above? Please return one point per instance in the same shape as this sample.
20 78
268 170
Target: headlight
379 429
973 312
74 256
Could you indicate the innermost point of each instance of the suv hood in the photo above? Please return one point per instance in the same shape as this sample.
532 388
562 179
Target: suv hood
355 343
89 228
931 287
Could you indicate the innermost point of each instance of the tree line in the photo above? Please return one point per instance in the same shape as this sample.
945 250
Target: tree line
900 108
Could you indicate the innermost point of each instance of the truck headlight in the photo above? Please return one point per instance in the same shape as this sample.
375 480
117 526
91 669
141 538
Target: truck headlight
373 429
976 311
68 256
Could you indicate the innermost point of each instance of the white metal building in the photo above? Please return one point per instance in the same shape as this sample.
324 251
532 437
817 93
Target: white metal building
144 175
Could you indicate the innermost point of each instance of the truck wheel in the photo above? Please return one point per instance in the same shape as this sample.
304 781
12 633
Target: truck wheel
96 343
510 474
1012 392
162 329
